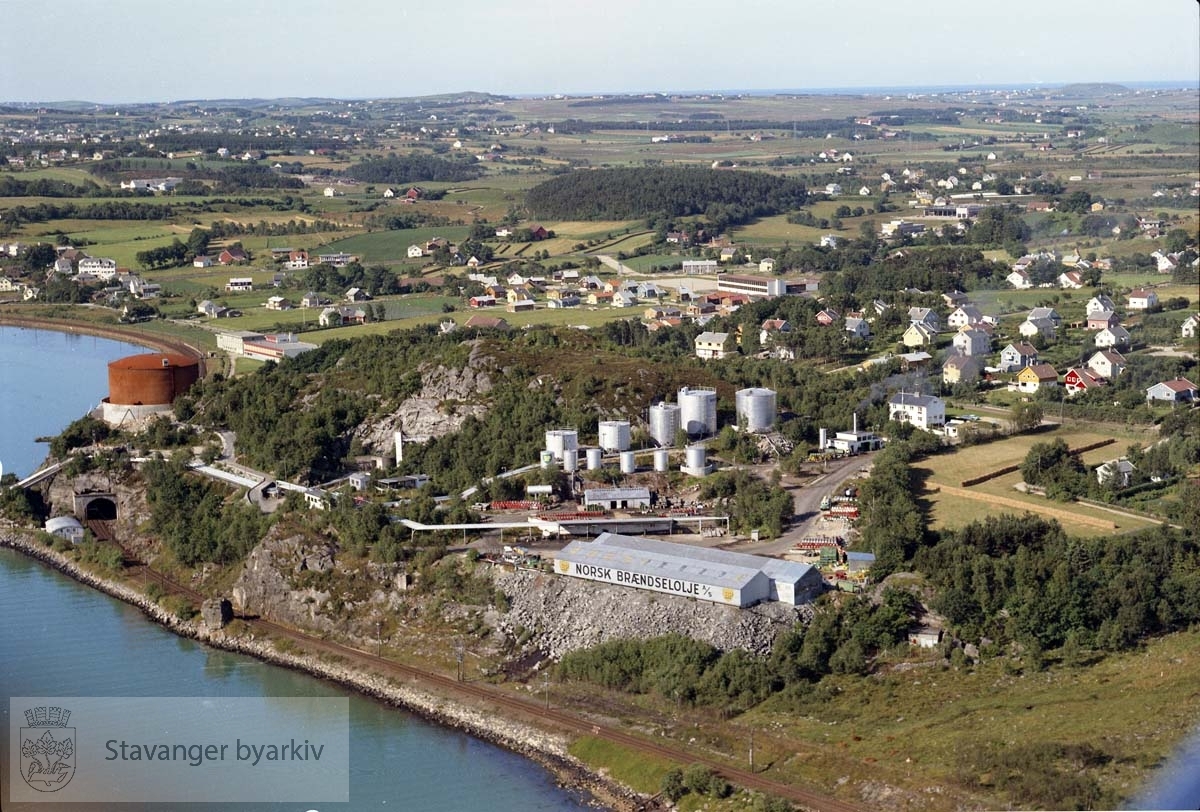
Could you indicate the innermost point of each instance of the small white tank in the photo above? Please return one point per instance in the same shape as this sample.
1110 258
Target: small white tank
614 435
546 459
662 460
628 462
697 456
595 459
571 461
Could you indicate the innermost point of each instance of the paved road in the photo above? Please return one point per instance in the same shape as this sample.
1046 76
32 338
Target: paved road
807 503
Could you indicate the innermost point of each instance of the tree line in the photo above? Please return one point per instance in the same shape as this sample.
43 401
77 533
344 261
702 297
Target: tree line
635 193
415 168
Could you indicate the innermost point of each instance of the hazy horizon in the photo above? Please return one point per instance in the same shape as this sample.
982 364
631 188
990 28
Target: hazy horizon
144 51
1164 84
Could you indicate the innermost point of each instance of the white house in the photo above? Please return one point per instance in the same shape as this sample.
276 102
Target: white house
239 284
1108 364
1189 327
766 265
970 341
1019 280
964 316
1099 304
415 252
1070 280
1119 472
1115 336
1032 327
858 327
1139 299
926 316
923 411
711 345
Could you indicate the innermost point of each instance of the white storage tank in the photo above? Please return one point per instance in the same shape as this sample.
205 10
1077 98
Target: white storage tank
628 462
595 459
546 458
698 411
614 435
697 457
559 441
664 423
571 461
662 460
755 409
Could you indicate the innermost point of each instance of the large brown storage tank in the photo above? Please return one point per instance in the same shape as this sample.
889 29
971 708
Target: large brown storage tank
154 379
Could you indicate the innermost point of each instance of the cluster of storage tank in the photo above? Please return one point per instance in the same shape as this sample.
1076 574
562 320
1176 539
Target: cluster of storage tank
695 413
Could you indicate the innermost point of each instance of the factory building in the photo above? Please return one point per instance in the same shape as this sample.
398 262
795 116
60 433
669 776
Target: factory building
719 576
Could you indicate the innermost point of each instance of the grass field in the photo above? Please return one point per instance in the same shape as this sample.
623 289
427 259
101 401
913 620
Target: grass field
391 246
920 728
952 506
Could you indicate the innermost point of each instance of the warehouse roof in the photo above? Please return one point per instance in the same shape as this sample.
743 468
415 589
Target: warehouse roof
774 568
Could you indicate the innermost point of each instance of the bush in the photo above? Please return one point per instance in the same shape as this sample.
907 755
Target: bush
672 785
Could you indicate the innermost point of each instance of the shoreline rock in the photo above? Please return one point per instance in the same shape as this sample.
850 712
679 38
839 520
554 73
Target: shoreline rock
546 749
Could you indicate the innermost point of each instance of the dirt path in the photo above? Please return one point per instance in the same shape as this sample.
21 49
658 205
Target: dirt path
1066 517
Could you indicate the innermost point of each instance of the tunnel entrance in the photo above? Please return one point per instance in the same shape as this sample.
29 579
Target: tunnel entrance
101 508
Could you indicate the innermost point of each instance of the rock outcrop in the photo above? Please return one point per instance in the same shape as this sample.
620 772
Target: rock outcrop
447 398
271 583
565 614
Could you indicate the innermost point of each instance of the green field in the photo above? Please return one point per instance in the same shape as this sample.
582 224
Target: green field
390 247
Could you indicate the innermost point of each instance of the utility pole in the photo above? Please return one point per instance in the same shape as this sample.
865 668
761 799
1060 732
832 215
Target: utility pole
379 638
460 656
751 751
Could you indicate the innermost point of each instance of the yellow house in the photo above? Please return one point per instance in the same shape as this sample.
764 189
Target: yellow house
919 334
1035 376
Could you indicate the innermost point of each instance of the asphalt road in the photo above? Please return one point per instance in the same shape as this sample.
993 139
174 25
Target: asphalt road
807 503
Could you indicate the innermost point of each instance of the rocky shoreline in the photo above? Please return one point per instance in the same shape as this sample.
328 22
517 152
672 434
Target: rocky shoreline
548 750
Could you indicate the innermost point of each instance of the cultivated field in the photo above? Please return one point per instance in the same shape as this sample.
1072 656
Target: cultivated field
954 506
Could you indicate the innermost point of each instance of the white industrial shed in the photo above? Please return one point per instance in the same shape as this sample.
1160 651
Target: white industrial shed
719 576
617 498
67 527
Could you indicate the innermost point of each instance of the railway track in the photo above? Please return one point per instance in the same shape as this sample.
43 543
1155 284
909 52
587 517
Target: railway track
496 697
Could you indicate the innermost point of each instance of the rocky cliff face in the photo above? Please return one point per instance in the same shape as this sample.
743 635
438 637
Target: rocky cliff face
447 397
271 583
566 614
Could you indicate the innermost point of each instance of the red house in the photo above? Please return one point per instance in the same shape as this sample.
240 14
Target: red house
827 317
538 232
232 256
1080 380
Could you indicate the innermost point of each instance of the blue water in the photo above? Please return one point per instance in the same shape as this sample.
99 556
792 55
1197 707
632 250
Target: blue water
59 638
47 380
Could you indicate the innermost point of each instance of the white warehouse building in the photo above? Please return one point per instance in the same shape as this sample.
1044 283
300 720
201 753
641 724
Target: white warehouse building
719 576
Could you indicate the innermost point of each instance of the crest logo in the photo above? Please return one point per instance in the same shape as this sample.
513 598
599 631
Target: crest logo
564 565
47 749
727 594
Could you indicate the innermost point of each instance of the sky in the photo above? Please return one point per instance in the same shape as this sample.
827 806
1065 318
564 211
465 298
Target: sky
117 51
